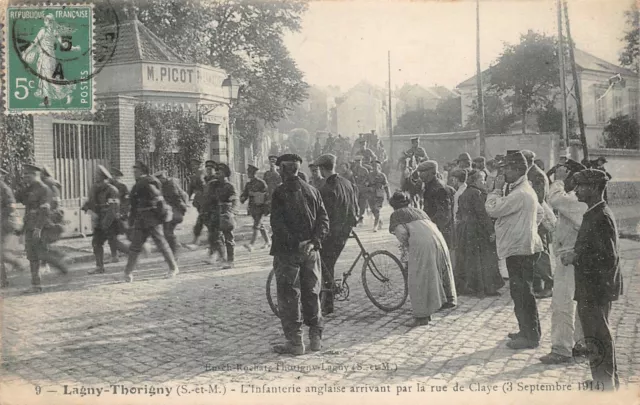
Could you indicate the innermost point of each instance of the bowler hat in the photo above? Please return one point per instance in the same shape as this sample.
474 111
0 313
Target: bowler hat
590 176
399 199
104 171
142 166
116 172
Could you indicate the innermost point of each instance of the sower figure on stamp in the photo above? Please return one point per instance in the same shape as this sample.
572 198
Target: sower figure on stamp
300 224
123 228
148 213
104 203
199 198
9 224
39 230
341 203
597 274
177 200
256 191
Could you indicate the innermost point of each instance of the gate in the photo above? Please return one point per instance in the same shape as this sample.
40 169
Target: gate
78 148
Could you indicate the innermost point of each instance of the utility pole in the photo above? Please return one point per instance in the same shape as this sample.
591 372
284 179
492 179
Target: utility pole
563 85
576 85
391 155
482 127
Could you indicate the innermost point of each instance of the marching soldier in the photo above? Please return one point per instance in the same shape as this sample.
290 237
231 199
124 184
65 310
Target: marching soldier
148 212
361 176
221 202
379 187
123 197
104 203
272 176
198 184
8 225
39 229
177 200
256 191
55 213
368 156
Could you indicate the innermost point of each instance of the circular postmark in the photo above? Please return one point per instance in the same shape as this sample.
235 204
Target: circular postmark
101 47
589 351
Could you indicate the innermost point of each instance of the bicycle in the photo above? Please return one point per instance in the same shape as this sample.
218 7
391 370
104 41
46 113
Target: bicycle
380 266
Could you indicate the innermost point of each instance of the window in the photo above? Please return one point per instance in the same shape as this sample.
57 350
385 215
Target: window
633 103
601 105
617 102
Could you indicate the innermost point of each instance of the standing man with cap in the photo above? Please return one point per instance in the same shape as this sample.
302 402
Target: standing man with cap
543 277
222 201
464 161
598 277
300 225
341 203
316 180
416 151
272 176
257 192
379 188
438 203
37 199
361 176
518 215
149 212
104 203
8 225
599 165
480 163
203 210
123 227
177 199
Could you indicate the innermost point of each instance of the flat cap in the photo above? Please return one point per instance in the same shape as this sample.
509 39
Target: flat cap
427 165
290 158
480 159
415 139
140 165
312 165
160 173
224 168
590 176
514 159
104 171
210 163
116 172
326 160
399 199
29 168
3 172
273 157
252 168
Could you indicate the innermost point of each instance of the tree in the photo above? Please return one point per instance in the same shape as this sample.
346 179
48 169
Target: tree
299 141
498 117
526 74
16 137
245 38
622 132
550 120
444 118
449 115
630 56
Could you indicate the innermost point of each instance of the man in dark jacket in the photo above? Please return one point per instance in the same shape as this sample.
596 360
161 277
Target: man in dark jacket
104 203
341 202
148 213
597 275
543 276
300 224
123 225
438 203
177 200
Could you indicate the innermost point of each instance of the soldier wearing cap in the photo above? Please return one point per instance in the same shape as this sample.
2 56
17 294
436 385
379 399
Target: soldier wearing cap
221 201
598 278
177 199
518 215
9 224
37 199
378 188
368 156
480 163
416 151
199 200
257 192
464 161
272 176
361 176
300 225
316 180
196 192
341 203
56 214
149 212
104 203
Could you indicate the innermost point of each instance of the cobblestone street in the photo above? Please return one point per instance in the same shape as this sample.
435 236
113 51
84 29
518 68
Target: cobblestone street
211 326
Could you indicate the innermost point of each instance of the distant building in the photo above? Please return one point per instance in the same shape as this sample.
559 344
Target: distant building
363 108
599 103
413 97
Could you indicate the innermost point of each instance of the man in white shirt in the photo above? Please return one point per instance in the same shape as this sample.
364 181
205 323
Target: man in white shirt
518 215
459 182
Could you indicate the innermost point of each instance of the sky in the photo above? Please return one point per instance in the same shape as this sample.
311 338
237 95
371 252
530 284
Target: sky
434 42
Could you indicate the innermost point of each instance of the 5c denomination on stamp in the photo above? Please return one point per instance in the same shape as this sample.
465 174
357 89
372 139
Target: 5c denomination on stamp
49 59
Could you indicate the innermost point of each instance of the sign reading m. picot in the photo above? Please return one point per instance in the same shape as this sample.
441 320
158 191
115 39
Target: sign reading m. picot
49 59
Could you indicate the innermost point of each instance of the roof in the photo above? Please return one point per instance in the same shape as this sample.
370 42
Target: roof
136 42
584 61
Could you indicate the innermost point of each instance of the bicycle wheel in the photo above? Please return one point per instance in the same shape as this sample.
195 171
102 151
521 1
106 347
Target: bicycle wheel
385 281
272 295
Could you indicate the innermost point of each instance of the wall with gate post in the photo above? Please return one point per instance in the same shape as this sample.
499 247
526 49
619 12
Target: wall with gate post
120 114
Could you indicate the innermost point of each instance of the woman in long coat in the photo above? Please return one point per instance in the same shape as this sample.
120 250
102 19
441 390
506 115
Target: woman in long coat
424 249
476 262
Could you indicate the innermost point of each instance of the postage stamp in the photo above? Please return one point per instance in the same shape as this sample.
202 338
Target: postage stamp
49 59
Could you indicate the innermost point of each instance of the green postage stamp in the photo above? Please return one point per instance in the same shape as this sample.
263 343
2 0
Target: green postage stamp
49 59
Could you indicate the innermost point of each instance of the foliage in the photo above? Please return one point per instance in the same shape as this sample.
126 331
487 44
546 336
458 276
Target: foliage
445 118
526 74
299 141
497 116
16 137
550 120
245 38
630 56
622 132
313 120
